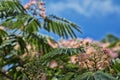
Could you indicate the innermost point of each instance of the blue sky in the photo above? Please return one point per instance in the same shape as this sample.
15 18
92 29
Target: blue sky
95 17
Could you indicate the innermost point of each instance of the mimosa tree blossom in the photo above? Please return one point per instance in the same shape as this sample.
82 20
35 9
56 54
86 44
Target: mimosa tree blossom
53 64
111 53
39 7
2 28
96 56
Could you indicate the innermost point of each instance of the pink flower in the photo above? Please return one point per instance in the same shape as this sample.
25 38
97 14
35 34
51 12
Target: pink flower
113 54
87 41
40 7
53 64
1 28
104 45
73 59
27 6
110 53
83 57
29 47
76 46
61 66
116 48
41 3
52 44
33 2
90 50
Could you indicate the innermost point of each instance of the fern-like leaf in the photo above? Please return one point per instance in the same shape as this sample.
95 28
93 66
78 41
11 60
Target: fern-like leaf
61 26
62 51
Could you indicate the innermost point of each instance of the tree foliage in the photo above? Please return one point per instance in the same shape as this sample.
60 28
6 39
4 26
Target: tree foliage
27 54
20 37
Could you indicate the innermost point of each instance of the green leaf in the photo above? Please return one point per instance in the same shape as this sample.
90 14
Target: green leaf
10 8
23 23
84 76
68 76
103 76
3 33
62 51
61 27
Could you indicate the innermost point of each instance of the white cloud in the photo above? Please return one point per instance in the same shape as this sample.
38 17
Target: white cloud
84 7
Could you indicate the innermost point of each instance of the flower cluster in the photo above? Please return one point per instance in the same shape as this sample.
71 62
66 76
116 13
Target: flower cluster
2 28
96 56
36 7
28 5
